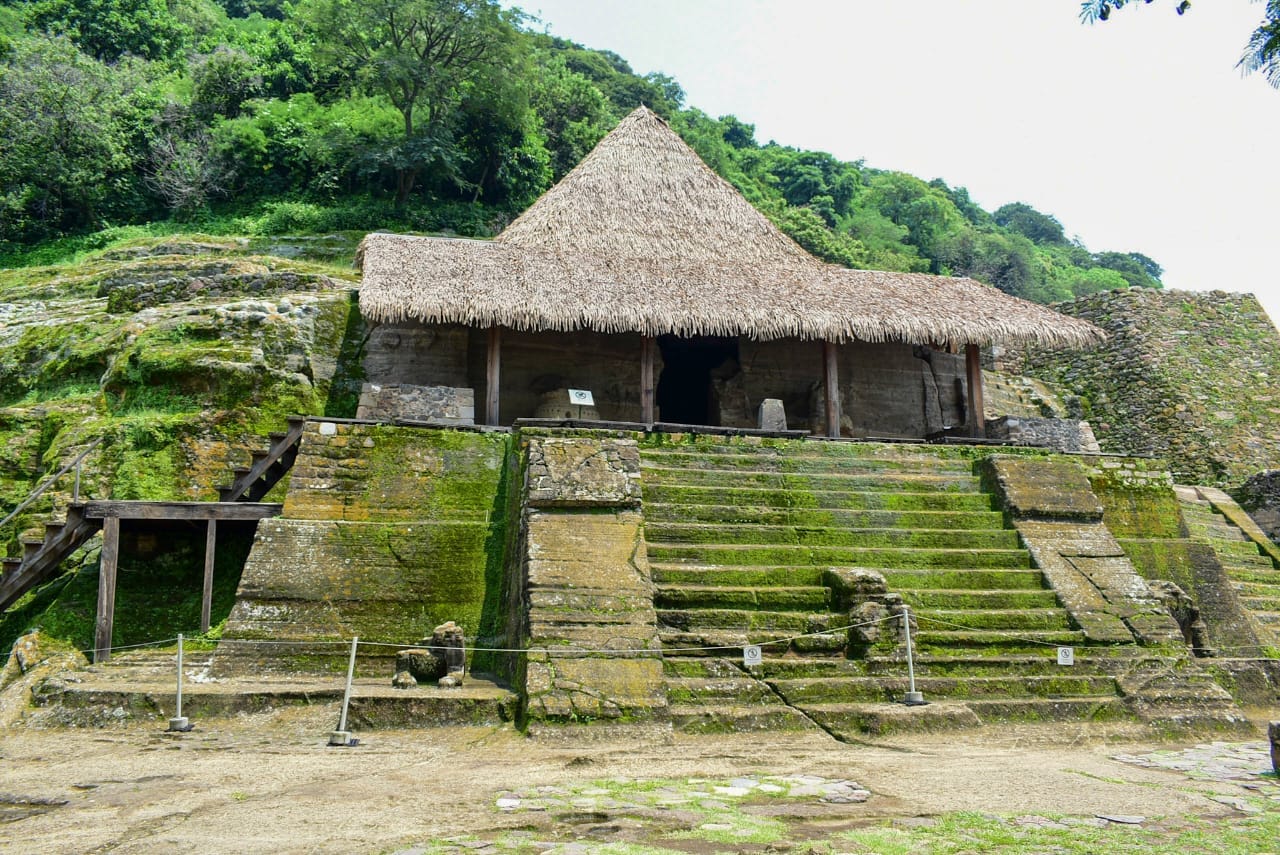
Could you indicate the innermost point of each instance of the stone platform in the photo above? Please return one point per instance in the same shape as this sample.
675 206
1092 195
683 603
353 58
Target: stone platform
142 686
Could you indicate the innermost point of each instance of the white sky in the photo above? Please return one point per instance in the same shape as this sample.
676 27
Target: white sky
1138 134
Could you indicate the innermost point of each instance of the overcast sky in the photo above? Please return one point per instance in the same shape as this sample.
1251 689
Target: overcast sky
1138 134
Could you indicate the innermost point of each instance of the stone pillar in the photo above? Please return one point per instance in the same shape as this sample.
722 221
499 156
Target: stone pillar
591 628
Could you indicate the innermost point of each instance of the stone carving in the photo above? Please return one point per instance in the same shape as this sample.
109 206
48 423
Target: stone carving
440 659
581 471
1183 609
772 415
864 594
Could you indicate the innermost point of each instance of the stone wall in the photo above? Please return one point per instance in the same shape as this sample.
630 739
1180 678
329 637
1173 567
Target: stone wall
887 389
1190 377
586 600
386 533
443 405
1066 435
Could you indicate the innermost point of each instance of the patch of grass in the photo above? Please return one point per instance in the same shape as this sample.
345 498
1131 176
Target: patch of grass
733 826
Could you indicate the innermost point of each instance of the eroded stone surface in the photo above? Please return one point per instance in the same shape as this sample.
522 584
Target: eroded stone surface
583 472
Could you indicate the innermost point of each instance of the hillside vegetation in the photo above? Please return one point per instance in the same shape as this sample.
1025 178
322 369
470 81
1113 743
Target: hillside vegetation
121 118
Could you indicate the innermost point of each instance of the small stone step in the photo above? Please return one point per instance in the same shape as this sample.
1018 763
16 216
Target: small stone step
829 556
738 479
737 691
1246 562
697 718
1240 549
960 598
755 577
747 620
662 512
850 721
801 692
1255 575
900 500
1024 641
720 643
1050 709
807 599
1262 604
777 535
1012 620
801 462
967 578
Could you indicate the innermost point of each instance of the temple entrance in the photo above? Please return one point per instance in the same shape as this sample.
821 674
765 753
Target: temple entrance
685 393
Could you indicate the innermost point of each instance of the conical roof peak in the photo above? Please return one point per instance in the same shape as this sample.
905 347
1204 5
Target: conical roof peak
644 194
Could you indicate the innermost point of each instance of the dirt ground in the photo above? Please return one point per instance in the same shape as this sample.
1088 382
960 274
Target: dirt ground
270 783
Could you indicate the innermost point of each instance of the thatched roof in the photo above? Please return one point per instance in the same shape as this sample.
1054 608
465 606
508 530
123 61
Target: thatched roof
643 237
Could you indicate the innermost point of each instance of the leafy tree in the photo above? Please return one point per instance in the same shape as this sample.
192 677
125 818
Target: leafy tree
1135 268
1261 53
69 127
222 81
109 29
422 55
575 114
1027 221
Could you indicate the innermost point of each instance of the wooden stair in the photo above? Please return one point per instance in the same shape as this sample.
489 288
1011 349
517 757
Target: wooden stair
266 468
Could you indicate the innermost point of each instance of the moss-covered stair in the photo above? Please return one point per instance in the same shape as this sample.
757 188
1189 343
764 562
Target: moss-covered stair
739 533
1253 574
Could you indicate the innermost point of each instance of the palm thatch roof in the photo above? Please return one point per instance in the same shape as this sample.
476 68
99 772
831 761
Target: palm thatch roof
643 237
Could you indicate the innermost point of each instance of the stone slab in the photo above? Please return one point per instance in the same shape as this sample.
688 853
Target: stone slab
1040 488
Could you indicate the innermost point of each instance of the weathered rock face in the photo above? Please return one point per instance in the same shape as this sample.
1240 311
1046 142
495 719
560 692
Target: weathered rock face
183 355
1190 377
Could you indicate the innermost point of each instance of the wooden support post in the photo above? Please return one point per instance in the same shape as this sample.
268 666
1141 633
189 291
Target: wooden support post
107 589
206 595
973 374
492 375
832 383
647 345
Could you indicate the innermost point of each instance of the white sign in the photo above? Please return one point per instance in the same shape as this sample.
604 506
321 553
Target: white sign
581 398
1066 656
751 655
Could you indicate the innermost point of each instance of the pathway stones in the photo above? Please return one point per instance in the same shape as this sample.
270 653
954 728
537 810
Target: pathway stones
1246 765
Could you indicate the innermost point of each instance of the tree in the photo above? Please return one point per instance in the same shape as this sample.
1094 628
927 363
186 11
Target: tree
66 136
1261 53
1027 221
422 55
109 29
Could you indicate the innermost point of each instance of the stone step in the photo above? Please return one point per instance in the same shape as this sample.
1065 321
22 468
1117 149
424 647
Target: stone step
789 598
777 535
890 481
1262 604
1215 531
739 691
802 462
1100 661
1245 562
1268 618
831 556
849 722
1093 708
754 577
1238 549
702 667
961 598
996 641
655 512
746 620
773 447
736 494
729 718
1258 589
1254 575
728 642
968 578
827 690
999 619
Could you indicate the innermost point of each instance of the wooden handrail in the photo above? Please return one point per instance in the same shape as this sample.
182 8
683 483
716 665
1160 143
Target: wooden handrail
48 482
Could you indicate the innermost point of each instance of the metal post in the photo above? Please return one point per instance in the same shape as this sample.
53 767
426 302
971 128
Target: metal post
913 698
342 736
179 723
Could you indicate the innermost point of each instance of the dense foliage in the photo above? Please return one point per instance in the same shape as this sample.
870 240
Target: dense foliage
427 115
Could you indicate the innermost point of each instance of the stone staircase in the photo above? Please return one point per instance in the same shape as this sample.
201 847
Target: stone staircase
740 535
1253 574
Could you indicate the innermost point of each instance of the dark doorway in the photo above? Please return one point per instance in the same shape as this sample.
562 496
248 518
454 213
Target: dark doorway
685 393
